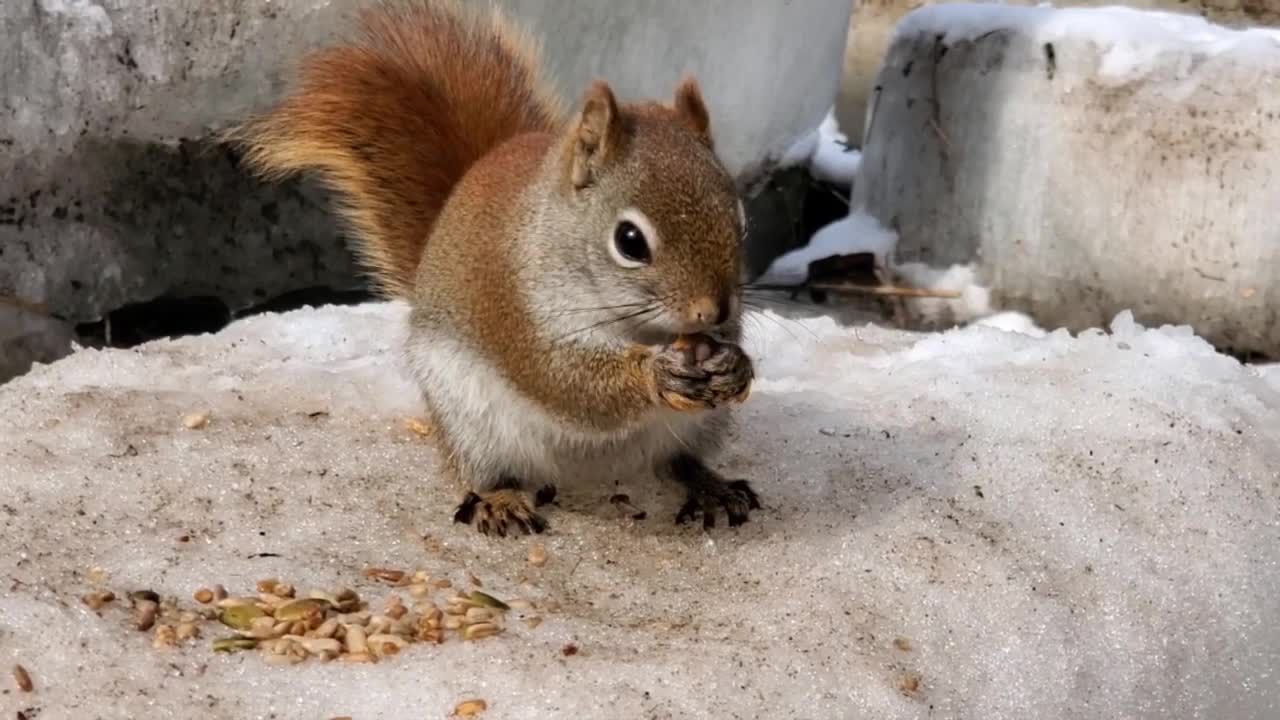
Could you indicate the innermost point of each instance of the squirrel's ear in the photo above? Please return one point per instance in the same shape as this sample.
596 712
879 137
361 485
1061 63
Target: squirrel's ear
596 136
692 110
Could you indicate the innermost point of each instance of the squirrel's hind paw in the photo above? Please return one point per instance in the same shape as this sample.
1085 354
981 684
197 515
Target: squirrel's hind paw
499 512
736 497
708 491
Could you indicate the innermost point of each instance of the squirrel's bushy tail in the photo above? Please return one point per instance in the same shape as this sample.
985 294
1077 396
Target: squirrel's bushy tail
393 120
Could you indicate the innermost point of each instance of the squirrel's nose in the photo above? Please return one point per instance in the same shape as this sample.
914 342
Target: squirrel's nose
709 311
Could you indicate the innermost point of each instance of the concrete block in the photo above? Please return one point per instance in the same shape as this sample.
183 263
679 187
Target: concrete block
1087 161
872 24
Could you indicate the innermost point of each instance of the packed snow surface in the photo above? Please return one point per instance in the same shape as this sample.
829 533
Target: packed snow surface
972 524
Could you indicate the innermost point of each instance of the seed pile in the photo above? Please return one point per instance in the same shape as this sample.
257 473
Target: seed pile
287 627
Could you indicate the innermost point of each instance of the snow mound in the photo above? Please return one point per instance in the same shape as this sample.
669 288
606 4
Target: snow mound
972 524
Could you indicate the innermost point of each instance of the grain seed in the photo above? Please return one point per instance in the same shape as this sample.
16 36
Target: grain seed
165 636
23 679
240 617
487 600
420 427
264 628
356 639
327 629
538 555
304 609
98 600
385 575
909 683
479 615
470 708
321 646
187 631
232 644
479 631
144 615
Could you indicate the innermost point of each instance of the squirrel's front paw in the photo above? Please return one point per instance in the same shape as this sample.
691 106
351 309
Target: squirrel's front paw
700 373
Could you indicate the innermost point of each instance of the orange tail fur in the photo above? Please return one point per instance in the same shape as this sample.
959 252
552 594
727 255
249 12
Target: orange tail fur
393 120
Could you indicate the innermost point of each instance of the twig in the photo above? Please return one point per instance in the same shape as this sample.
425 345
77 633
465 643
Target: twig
886 290
937 129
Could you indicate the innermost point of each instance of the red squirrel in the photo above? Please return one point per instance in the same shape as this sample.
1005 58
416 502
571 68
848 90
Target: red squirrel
565 271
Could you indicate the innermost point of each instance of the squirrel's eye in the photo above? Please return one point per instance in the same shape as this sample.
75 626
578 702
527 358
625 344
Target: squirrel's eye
631 244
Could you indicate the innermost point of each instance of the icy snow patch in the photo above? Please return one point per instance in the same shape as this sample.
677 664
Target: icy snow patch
972 524
973 303
1011 321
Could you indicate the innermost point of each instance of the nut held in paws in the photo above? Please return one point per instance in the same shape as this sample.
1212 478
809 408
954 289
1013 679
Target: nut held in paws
696 347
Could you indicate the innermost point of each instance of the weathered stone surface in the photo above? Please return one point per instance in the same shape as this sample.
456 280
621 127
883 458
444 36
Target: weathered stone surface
29 335
872 22
1089 162
110 192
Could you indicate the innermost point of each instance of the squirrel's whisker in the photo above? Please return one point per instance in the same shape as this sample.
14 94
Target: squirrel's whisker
760 313
610 321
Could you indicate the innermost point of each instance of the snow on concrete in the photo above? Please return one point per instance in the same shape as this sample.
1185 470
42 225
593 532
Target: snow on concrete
1133 42
833 160
826 153
971 524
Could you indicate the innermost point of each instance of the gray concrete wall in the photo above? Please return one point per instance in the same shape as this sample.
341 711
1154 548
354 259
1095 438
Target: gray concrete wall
110 193
1079 194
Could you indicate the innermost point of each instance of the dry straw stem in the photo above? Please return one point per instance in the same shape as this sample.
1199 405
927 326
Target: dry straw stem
884 290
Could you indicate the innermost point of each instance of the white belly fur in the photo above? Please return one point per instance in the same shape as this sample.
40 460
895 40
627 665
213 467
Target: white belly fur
495 431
